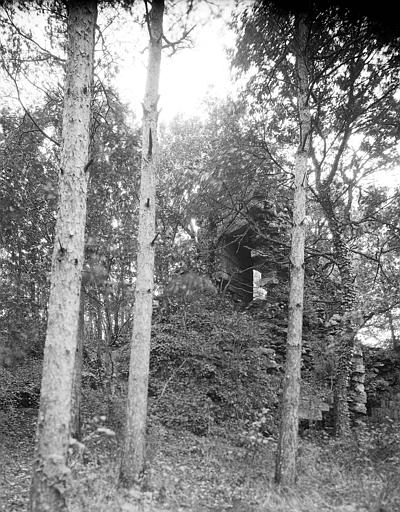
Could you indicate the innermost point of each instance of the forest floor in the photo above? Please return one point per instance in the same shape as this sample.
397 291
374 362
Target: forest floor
196 474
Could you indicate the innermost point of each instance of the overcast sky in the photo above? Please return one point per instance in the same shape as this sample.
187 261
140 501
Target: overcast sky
188 76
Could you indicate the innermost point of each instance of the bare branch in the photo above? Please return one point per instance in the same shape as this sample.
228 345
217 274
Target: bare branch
12 78
175 44
11 24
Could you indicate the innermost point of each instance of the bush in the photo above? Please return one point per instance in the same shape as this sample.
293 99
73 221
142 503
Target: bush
206 366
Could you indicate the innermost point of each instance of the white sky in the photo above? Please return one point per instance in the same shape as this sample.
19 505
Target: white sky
188 76
389 179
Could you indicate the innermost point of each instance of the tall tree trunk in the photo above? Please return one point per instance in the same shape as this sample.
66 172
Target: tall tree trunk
287 447
346 331
77 378
346 335
134 444
50 473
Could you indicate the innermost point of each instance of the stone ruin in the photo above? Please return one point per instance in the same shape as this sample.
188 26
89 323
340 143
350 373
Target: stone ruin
248 273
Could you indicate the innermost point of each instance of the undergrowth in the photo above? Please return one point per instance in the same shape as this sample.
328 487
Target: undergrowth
212 430
188 472
224 470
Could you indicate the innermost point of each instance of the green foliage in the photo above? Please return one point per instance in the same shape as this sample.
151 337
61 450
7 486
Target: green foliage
216 178
206 369
27 207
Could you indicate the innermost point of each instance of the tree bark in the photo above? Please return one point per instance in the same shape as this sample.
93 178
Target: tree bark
285 472
77 377
357 395
133 458
50 473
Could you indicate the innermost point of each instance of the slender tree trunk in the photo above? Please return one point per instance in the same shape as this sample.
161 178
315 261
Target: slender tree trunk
50 473
134 444
346 335
350 371
341 411
77 378
287 447
347 330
